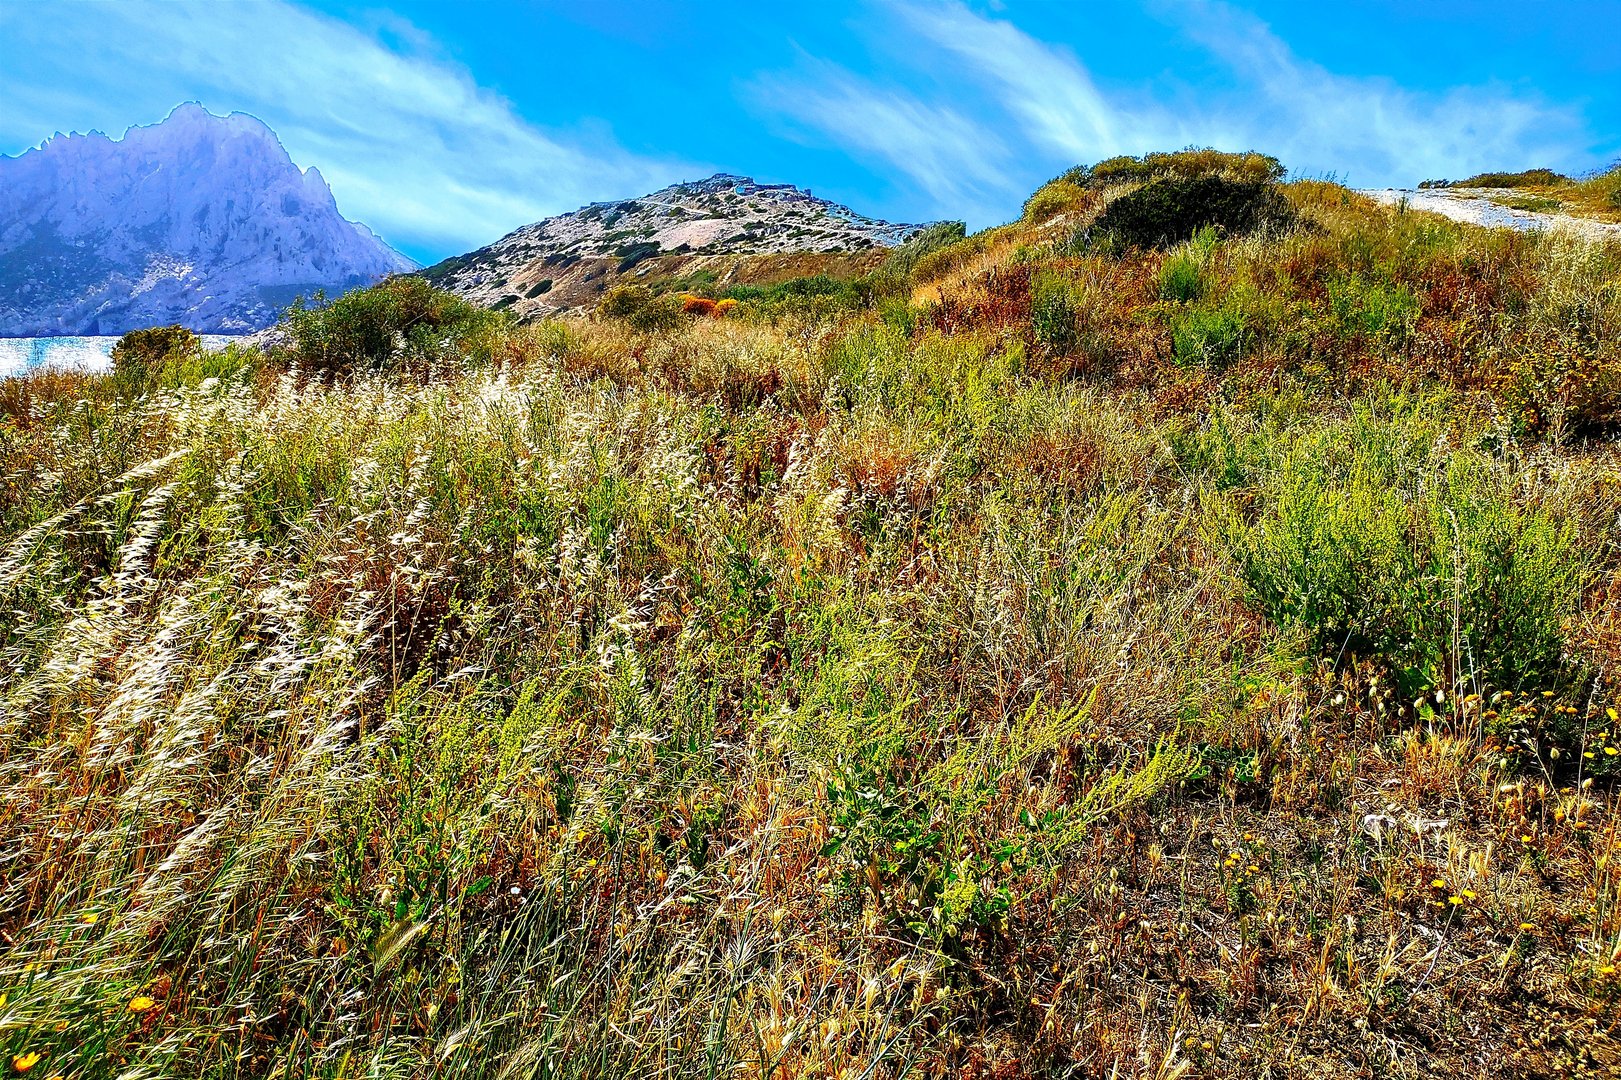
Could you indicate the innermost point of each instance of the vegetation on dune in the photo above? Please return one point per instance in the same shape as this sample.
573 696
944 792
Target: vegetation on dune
1543 190
1524 178
1187 164
1602 188
1042 658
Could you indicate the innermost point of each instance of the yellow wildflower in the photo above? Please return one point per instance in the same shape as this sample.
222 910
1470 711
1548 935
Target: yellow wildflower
23 1062
141 1004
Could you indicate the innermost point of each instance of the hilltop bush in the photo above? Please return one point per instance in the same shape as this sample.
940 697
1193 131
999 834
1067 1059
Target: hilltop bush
1054 198
1524 178
1169 210
903 260
954 257
1247 167
399 321
1603 187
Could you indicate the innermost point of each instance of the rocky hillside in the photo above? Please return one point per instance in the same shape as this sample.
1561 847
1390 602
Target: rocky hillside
201 220
726 228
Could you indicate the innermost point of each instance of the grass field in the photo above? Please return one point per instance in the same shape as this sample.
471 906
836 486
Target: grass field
1058 658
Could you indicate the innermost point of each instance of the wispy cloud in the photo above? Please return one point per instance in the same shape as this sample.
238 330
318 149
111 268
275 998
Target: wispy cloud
411 144
1027 106
954 160
1044 86
1370 127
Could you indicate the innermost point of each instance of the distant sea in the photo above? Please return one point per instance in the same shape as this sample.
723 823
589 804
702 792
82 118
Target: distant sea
18 355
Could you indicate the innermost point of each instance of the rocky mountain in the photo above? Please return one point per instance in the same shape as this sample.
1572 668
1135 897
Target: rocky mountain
201 220
726 229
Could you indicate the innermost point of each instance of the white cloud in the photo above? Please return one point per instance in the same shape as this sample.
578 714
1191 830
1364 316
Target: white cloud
951 158
1370 127
1045 86
411 144
1021 104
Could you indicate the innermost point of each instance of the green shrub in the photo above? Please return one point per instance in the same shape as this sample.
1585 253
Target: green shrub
638 306
140 352
1209 337
898 313
1604 186
1054 317
1249 167
1169 210
623 301
399 320
1526 178
946 260
1373 310
1371 546
942 261
819 295
904 258
166 357
1054 198
1182 275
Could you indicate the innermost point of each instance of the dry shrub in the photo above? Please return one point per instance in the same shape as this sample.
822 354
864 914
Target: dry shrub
25 400
1056 198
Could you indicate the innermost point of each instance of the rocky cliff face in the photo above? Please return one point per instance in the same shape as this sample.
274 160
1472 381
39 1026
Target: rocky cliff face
726 227
201 220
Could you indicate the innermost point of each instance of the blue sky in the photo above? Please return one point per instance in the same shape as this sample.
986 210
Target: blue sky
446 125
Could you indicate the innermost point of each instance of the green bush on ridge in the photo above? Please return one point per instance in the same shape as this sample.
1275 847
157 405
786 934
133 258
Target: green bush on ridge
1249 167
1169 210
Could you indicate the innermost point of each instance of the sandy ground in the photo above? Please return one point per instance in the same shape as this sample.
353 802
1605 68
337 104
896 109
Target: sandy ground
1475 206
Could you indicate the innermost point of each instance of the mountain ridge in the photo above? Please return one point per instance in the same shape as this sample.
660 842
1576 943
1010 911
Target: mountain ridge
199 219
726 226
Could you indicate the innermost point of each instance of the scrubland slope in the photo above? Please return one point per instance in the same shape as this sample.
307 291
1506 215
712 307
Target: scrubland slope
1144 640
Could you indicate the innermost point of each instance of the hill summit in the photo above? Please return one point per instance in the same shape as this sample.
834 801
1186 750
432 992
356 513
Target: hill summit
730 227
200 219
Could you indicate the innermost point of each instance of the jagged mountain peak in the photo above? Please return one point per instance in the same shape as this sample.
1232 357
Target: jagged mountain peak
200 219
